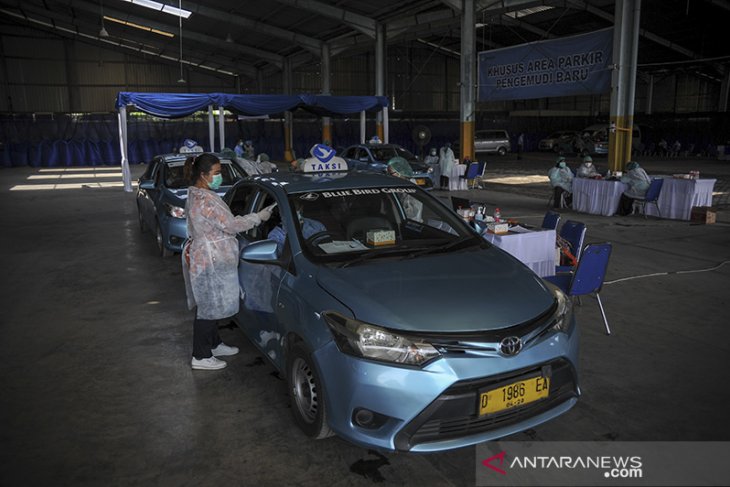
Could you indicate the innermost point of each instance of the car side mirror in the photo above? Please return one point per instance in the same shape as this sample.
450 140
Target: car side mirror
147 184
261 252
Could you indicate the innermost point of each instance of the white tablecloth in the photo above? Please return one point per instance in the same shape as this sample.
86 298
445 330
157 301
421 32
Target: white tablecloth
534 249
678 196
455 181
597 196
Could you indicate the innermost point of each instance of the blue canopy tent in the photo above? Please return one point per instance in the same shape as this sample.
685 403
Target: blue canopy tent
178 105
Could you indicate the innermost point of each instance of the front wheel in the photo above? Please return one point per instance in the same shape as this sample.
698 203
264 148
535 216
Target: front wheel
306 394
164 251
501 151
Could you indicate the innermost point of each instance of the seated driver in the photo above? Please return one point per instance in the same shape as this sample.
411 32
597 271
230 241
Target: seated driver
309 227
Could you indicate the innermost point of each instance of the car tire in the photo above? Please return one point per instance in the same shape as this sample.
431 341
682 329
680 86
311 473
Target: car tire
140 219
306 393
501 151
556 148
160 239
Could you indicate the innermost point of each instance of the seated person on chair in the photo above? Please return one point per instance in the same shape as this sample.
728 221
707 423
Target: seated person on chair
638 182
561 179
309 226
399 167
587 169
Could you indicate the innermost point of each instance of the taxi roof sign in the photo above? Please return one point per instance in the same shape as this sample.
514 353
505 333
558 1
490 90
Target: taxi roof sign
335 164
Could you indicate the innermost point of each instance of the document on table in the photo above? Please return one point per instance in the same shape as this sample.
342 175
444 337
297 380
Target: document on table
519 229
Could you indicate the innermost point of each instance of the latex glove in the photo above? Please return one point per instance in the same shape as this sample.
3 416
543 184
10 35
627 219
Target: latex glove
264 214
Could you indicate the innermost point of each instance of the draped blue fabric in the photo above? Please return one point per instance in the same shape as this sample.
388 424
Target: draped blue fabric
345 104
167 105
178 105
260 104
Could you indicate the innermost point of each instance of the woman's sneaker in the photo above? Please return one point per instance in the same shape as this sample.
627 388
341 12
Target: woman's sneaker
223 350
210 363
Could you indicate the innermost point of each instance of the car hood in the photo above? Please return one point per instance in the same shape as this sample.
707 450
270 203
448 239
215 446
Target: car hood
181 194
466 291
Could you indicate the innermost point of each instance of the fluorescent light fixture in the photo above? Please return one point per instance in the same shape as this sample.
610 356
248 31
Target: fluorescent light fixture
528 11
161 7
137 26
103 32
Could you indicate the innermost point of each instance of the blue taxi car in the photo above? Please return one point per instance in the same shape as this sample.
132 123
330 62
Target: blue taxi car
375 157
395 324
161 194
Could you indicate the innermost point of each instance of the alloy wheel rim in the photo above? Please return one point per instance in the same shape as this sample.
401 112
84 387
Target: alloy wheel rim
305 390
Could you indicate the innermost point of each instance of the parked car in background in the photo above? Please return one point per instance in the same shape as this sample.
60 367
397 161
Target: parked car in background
161 194
553 141
395 324
596 137
375 157
492 141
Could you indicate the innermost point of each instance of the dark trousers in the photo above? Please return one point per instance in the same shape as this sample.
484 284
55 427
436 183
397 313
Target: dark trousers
445 182
205 338
625 205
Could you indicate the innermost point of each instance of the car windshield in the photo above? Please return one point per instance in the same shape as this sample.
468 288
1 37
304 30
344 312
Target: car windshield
175 179
384 154
363 223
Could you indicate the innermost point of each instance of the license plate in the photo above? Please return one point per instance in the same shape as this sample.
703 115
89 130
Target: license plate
513 395
420 181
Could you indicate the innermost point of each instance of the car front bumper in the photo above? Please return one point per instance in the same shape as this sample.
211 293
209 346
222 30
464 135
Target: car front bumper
435 408
174 232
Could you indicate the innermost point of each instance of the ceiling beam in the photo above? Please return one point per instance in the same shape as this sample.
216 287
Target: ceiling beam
581 5
309 43
188 34
117 44
361 23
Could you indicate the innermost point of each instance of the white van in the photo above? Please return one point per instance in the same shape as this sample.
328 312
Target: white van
492 141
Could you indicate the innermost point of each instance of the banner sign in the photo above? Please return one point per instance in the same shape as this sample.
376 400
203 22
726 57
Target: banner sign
576 65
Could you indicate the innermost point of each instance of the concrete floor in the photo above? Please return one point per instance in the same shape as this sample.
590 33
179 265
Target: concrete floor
95 345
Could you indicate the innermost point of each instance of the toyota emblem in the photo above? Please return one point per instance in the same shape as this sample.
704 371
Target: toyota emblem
510 345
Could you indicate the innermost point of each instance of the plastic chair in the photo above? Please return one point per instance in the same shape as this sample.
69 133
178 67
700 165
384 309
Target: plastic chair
551 220
474 174
574 233
651 197
588 276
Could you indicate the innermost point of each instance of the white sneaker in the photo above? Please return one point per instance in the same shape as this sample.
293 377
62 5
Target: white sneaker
223 350
210 363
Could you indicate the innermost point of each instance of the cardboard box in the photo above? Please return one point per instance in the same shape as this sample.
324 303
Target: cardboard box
703 214
380 237
498 228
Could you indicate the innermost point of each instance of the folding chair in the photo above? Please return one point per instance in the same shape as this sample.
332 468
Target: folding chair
551 220
574 233
588 276
474 174
651 196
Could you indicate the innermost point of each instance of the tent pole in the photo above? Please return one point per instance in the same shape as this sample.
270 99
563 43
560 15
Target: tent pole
221 127
211 128
385 124
362 127
126 176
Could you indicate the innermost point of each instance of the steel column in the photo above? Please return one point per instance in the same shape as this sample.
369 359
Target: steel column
380 57
623 81
288 121
325 70
467 105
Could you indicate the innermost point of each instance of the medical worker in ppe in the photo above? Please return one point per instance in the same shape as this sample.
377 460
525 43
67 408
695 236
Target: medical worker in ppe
432 159
446 162
210 259
638 182
399 167
561 179
587 169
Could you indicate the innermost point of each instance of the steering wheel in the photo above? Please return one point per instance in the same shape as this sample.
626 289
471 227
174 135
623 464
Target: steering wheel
320 236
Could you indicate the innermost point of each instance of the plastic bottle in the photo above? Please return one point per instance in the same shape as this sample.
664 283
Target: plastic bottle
497 215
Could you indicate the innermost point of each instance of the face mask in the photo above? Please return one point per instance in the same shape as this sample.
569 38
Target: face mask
216 183
562 164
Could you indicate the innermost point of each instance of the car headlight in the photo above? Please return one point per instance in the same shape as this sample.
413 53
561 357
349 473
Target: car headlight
373 342
564 312
175 211
430 170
